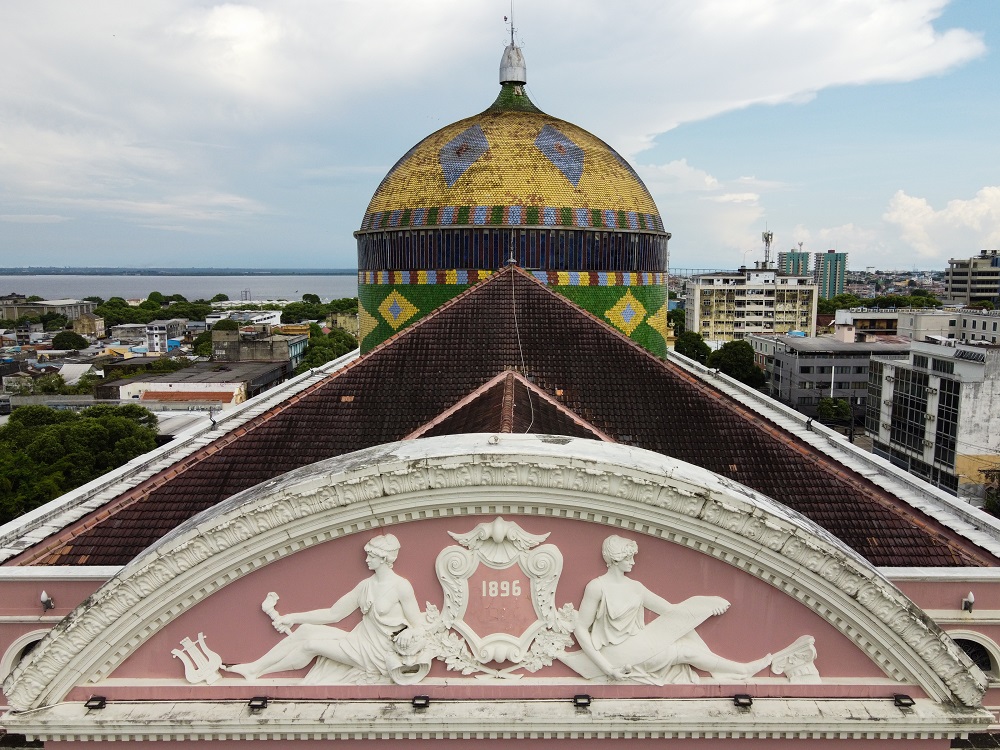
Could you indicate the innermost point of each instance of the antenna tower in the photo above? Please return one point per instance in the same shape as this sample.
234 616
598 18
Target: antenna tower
767 237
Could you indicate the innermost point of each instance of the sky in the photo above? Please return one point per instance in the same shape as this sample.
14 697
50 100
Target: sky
253 134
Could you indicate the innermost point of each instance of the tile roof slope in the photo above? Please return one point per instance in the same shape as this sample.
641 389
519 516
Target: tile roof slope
604 378
508 404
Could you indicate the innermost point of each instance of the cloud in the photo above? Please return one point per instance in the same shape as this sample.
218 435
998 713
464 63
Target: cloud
33 218
960 229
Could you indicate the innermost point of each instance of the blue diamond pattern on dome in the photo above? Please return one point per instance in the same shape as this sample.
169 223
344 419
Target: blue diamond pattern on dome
395 309
628 313
562 152
461 152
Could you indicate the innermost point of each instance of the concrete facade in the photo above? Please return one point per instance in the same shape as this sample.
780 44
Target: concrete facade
160 332
830 273
733 305
937 414
975 279
802 371
14 306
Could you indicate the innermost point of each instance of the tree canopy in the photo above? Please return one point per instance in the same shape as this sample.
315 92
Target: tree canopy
69 340
46 452
693 346
323 349
735 359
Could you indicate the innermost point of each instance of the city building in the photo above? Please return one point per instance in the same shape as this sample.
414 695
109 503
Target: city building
164 335
13 306
975 325
246 317
794 263
801 371
258 345
934 414
225 385
830 273
976 279
731 305
89 324
928 323
487 505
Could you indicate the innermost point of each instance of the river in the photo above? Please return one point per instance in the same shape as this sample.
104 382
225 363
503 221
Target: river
253 288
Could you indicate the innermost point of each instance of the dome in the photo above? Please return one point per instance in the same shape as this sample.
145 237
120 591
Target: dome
513 165
513 184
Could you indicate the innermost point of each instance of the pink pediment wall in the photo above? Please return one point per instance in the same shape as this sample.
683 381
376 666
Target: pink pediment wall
761 619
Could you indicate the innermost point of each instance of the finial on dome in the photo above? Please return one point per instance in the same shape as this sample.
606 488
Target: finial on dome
512 67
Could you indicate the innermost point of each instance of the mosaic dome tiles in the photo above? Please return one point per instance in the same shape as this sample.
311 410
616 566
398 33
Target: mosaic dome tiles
511 168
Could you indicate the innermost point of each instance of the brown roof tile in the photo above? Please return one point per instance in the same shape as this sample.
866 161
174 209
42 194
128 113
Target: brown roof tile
601 380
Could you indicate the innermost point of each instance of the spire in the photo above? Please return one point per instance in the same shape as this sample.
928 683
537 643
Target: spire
512 68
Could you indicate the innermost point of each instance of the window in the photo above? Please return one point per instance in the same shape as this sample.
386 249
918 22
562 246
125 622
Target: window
920 360
806 370
909 405
943 365
978 653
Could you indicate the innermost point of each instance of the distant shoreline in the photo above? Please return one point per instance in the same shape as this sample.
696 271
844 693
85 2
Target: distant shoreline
88 271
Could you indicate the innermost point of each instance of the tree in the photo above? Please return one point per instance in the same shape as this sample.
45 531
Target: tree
226 325
984 304
693 346
220 298
323 349
311 299
69 340
202 344
45 453
736 359
834 410
677 319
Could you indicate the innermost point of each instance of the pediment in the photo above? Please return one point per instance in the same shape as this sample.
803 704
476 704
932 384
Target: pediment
500 544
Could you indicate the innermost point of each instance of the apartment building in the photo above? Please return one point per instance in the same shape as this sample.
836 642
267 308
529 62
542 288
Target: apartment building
801 370
732 305
976 279
830 273
936 413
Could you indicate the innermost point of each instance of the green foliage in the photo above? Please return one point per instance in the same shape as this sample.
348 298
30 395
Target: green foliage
203 344
94 299
323 349
840 302
220 298
982 305
54 321
45 452
677 318
296 312
834 410
34 298
69 340
116 311
693 346
735 359
919 298
226 325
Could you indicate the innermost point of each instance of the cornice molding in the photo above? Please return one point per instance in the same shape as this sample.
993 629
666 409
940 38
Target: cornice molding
613 485
773 719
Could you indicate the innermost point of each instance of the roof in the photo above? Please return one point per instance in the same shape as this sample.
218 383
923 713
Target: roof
884 345
213 396
514 162
583 365
202 372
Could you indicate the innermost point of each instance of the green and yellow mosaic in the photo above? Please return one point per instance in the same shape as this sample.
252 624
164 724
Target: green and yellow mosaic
386 308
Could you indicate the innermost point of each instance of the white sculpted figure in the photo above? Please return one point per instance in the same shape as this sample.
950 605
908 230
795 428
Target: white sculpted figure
385 645
618 644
